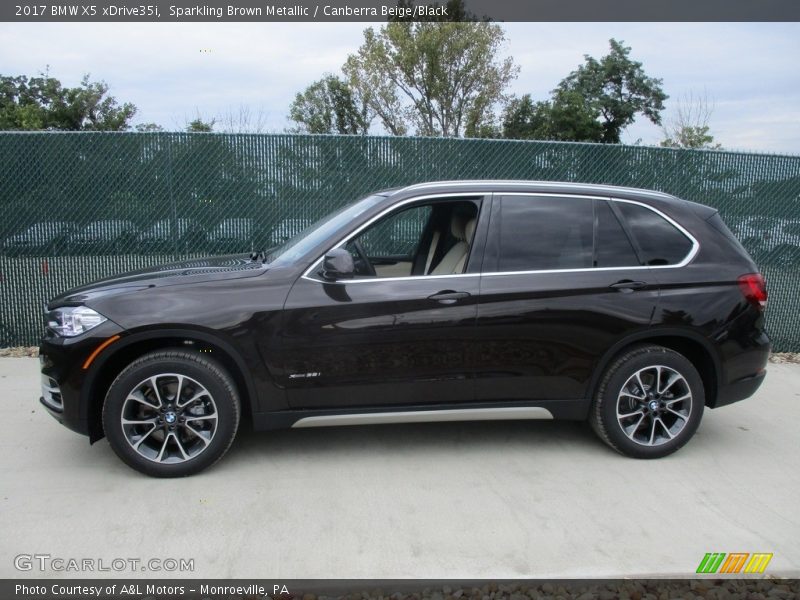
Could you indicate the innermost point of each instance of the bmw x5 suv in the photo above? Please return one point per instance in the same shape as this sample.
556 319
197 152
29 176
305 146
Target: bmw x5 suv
631 309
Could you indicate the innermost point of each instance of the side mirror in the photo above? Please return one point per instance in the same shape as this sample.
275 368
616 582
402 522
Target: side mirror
337 264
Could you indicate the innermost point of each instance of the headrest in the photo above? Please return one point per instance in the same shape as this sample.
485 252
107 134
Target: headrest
469 230
458 226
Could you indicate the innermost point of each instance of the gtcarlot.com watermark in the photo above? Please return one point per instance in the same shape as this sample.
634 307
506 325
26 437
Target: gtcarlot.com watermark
58 564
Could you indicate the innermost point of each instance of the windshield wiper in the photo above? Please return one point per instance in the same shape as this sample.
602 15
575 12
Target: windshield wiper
264 256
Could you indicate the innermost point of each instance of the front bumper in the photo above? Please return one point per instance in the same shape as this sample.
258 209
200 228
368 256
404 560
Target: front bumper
61 362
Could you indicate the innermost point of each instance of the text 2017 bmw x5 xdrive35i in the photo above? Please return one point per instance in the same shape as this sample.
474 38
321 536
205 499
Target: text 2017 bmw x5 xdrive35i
439 301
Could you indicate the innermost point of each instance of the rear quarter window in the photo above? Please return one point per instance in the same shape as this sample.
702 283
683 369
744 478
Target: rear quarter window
659 241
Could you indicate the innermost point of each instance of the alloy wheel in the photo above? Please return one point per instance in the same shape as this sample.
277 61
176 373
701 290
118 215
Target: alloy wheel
169 418
654 405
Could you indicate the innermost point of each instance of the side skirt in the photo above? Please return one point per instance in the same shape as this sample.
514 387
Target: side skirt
514 411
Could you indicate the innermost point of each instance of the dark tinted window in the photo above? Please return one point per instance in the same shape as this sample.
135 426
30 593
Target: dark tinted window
659 241
614 249
539 233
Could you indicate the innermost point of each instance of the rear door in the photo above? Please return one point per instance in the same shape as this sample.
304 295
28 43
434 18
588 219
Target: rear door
561 283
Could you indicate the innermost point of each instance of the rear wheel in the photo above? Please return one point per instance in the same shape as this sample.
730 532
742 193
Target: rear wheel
649 403
171 413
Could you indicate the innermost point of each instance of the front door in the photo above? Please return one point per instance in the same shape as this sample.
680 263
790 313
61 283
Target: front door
400 331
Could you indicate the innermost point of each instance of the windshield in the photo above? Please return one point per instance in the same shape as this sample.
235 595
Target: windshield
302 243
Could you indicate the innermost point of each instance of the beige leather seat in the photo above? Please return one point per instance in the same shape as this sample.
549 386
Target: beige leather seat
462 228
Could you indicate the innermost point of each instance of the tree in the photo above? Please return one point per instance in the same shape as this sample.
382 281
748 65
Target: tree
243 120
565 119
612 90
572 119
148 128
437 78
199 126
42 103
524 119
330 105
689 127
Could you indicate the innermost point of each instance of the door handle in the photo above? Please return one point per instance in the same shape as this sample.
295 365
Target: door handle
448 297
627 286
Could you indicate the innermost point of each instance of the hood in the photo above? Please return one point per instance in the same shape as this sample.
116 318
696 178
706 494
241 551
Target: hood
179 273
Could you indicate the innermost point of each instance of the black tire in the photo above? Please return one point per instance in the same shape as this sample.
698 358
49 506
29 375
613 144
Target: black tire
660 431
204 414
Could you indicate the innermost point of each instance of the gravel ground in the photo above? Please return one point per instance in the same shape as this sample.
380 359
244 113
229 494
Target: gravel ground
785 357
652 589
19 352
33 352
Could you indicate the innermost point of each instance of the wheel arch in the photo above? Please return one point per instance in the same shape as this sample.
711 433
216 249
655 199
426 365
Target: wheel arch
130 347
693 346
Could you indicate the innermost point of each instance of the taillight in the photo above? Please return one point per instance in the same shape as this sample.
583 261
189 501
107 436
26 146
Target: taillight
754 289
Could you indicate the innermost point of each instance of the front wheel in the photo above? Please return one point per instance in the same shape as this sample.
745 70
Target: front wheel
171 413
649 402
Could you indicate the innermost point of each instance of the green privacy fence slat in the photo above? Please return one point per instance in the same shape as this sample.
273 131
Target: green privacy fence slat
80 206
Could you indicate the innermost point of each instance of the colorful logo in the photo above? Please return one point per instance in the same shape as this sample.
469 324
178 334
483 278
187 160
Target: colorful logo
735 562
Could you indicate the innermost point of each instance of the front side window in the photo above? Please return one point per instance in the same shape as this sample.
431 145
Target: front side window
398 235
424 239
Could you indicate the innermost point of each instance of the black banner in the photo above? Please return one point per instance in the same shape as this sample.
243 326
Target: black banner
383 10
398 589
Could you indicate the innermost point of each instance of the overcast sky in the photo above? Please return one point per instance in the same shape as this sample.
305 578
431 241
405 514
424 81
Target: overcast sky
750 71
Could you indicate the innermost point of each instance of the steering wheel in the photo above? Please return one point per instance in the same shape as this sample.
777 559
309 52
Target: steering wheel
363 260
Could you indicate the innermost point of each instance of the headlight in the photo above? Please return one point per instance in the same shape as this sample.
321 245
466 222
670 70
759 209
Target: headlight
70 321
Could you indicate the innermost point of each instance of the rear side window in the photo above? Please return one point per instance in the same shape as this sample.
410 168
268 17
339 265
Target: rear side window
659 241
613 248
544 233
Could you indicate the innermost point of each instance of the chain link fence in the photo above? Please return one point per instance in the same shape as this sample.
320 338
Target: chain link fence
80 206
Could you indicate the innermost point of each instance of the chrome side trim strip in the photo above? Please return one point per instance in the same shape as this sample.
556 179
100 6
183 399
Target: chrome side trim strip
513 413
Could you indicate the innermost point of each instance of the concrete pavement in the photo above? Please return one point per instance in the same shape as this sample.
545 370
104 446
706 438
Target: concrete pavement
449 500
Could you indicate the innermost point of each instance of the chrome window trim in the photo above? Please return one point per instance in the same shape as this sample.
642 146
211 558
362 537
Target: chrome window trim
608 189
689 257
